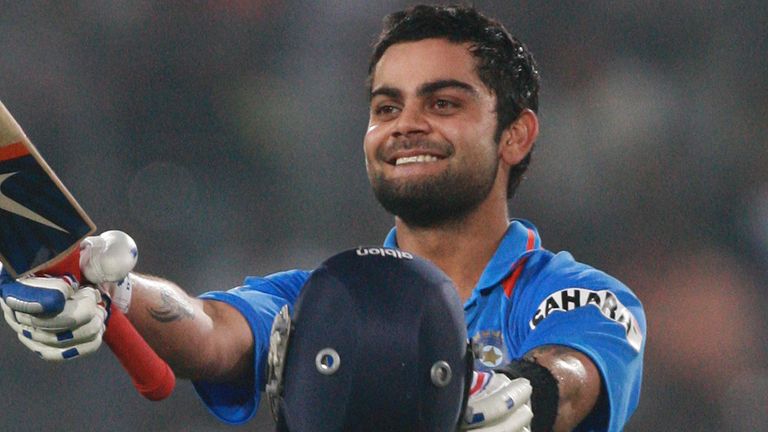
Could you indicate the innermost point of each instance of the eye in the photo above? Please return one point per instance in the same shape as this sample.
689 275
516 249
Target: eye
385 111
445 106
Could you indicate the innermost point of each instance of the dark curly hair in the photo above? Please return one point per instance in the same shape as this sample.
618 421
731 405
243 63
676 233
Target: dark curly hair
504 64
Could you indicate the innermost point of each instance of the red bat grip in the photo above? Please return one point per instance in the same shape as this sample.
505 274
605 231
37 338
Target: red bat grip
151 375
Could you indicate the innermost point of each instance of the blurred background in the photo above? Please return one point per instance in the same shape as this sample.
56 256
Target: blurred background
226 137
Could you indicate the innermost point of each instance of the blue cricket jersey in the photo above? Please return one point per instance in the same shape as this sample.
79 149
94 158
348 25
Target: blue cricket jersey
526 297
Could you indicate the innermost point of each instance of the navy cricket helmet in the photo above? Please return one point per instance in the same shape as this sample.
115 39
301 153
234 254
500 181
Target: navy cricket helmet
377 342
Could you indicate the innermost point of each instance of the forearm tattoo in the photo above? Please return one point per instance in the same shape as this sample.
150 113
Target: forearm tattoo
171 308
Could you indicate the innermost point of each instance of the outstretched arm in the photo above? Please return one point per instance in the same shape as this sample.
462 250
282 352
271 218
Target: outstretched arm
204 340
200 339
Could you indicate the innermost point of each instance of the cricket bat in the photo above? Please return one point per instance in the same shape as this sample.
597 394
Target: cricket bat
41 226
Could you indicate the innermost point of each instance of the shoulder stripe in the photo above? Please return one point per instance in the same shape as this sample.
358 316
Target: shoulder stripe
531 240
509 283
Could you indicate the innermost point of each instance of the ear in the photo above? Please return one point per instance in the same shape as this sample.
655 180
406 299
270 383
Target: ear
517 140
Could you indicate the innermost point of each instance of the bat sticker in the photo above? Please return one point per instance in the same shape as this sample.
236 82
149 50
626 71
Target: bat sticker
46 215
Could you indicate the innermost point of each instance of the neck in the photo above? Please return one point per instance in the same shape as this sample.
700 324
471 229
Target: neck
463 248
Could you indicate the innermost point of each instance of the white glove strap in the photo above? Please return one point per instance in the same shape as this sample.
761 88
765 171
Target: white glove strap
119 292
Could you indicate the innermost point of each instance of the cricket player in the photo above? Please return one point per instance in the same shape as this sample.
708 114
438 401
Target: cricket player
453 102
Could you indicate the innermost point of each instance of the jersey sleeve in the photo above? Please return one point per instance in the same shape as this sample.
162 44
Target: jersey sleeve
258 300
571 304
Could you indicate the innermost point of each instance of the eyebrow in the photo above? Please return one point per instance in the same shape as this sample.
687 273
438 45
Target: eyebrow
426 89
430 88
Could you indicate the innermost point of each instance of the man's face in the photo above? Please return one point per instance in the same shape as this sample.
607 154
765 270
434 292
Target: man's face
430 150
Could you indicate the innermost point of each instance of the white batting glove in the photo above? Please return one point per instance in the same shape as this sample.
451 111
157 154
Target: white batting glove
37 295
75 331
106 260
498 404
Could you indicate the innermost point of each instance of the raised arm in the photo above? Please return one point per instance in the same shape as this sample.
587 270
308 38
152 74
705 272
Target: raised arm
201 340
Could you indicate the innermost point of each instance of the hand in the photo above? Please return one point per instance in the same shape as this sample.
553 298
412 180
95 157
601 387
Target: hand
76 330
106 260
498 404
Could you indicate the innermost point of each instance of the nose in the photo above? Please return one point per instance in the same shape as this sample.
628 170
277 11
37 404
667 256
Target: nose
411 121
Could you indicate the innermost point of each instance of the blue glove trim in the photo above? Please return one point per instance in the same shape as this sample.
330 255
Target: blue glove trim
51 301
70 353
65 335
477 418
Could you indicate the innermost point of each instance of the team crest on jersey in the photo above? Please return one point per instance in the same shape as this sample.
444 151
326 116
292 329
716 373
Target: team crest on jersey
605 301
488 349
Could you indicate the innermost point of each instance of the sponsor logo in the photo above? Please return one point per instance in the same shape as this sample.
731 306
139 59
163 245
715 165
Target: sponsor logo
11 206
605 301
395 253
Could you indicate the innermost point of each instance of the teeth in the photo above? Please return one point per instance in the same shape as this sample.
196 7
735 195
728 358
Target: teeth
416 159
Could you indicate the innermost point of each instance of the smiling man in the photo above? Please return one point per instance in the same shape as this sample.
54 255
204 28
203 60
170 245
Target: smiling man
452 125
433 154
453 101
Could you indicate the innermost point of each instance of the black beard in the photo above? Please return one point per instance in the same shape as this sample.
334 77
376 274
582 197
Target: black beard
439 201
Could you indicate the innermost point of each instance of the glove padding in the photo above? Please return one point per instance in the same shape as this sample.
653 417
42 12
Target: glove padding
498 404
37 295
77 330
106 260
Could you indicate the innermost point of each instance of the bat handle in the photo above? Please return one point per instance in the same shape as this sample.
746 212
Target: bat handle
151 375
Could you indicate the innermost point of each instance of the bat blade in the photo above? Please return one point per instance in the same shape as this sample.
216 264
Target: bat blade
41 227
40 221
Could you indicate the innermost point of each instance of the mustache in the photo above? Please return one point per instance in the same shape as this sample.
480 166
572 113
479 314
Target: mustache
442 147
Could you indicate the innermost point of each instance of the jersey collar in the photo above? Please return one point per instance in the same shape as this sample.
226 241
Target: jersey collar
521 237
